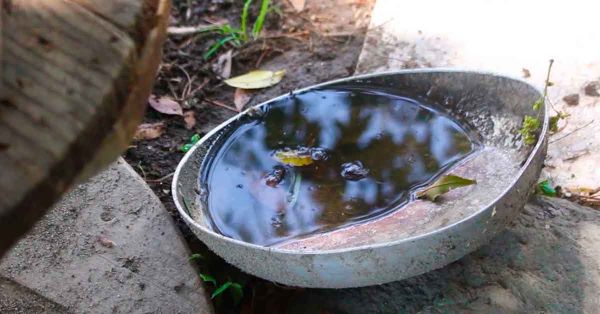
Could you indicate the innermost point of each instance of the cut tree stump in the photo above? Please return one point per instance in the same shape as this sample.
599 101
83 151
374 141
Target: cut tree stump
75 78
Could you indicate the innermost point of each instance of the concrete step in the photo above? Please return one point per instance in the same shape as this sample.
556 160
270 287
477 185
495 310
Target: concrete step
109 246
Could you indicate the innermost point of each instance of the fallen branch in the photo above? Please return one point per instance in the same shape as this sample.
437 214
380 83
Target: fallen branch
190 30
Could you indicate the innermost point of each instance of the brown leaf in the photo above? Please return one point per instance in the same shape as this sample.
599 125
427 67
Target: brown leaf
149 131
298 4
241 98
105 242
165 105
190 119
526 73
222 67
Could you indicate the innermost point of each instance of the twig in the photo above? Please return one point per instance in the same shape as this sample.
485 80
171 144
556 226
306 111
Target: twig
190 30
161 178
220 104
577 129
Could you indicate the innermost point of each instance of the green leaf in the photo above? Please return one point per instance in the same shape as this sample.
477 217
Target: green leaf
256 79
538 104
260 20
237 292
554 123
185 148
195 138
529 129
244 20
546 189
221 289
195 256
208 278
215 47
444 185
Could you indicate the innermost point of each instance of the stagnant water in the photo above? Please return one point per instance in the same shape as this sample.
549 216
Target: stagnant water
325 159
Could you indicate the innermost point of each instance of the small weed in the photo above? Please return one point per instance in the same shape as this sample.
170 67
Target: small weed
195 257
193 140
239 36
531 125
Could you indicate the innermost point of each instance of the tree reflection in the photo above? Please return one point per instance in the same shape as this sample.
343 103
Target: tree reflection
402 143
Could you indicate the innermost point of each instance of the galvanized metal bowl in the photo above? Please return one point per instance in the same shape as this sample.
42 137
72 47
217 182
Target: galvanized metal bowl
423 235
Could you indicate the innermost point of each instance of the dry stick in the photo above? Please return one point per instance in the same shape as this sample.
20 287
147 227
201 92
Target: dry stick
161 178
577 129
220 104
190 30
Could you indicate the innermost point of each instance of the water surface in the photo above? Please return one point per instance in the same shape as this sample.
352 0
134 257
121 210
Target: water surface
362 152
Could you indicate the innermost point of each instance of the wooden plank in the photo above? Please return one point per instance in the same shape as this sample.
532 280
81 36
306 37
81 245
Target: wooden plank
75 77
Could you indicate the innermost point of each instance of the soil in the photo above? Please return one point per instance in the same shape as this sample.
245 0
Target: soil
320 43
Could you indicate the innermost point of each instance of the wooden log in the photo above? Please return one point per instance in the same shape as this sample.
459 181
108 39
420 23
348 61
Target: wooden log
75 78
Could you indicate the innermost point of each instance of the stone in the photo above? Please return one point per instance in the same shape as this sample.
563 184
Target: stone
109 246
571 99
592 89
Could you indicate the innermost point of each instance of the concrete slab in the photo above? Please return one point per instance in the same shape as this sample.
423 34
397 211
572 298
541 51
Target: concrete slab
505 36
108 247
547 262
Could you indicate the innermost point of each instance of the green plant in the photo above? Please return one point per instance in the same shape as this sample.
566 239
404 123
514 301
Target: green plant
239 36
531 125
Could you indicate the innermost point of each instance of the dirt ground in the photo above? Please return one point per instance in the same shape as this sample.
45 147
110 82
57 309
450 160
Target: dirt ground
320 43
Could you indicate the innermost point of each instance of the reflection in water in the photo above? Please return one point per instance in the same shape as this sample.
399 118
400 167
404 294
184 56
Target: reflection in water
399 143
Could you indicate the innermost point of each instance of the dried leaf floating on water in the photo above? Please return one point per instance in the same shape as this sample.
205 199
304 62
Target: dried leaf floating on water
294 157
444 185
256 79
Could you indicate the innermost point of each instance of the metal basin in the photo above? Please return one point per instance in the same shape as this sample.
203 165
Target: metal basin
423 235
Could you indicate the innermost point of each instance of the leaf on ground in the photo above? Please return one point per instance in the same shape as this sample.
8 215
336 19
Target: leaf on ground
208 278
190 119
221 289
240 98
546 189
222 67
256 79
298 4
165 105
149 131
444 185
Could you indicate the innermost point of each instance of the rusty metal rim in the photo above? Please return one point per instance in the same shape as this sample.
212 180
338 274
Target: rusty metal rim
211 233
